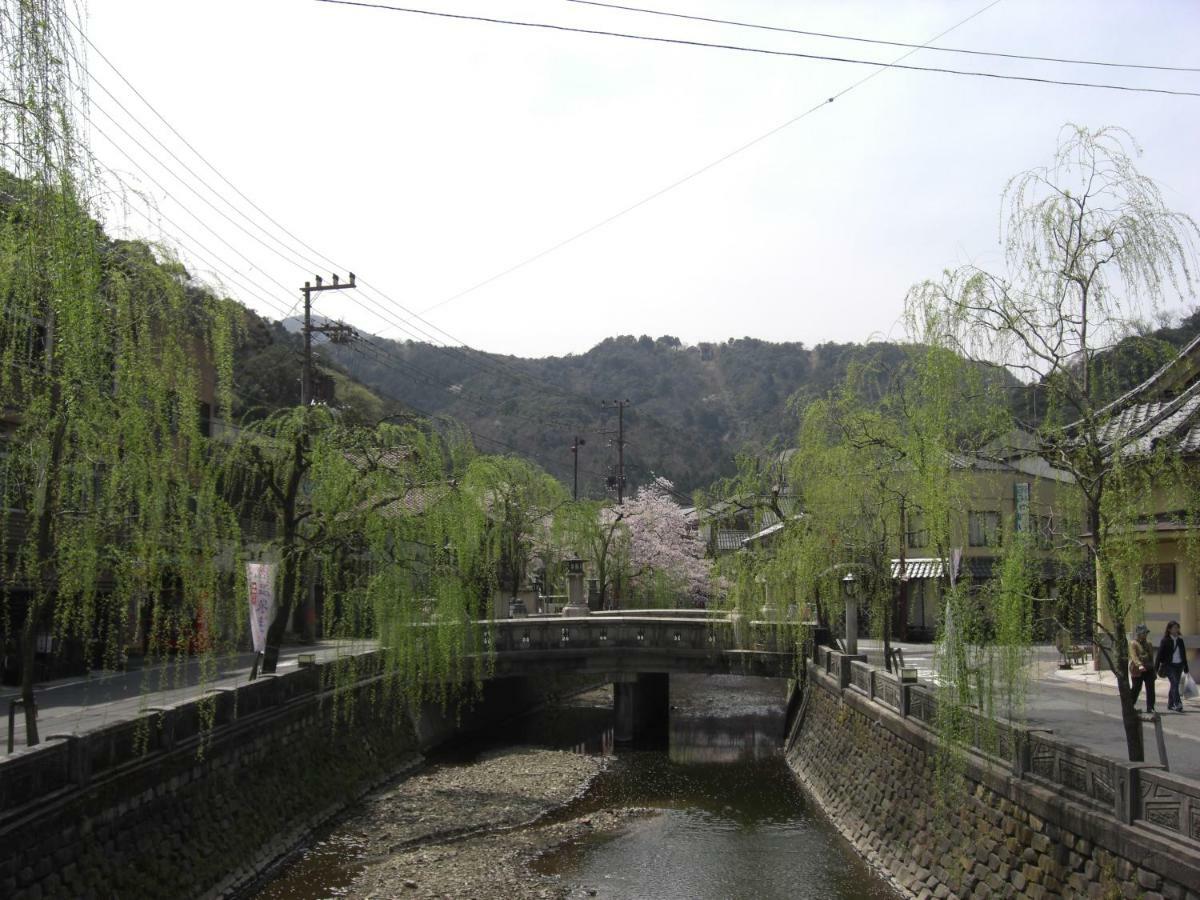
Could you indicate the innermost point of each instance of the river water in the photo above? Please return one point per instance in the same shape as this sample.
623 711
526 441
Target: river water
726 818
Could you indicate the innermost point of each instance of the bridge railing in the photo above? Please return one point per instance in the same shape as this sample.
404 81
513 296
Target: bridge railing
634 631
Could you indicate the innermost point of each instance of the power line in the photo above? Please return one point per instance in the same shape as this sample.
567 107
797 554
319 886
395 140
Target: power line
762 50
409 330
884 43
285 257
433 340
742 148
479 435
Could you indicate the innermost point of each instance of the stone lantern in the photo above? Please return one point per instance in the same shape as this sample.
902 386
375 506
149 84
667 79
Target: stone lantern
576 599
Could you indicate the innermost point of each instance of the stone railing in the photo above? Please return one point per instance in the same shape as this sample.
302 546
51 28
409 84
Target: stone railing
1141 794
657 630
67 761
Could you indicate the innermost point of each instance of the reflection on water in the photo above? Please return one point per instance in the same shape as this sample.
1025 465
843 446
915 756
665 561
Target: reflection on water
727 830
738 739
323 870
730 820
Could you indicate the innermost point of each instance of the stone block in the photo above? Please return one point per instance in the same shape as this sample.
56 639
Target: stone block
1149 880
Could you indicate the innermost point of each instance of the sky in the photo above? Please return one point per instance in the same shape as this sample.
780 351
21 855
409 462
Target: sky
440 159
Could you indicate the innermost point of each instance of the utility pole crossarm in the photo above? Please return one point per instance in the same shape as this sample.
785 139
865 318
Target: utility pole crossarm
620 478
337 332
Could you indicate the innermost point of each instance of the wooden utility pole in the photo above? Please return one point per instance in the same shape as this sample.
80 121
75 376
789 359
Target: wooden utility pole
337 332
619 481
575 445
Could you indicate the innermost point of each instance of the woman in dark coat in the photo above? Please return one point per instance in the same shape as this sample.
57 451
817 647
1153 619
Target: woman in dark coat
1172 662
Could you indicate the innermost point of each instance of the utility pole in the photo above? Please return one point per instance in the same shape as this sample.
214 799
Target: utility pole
576 444
337 332
620 479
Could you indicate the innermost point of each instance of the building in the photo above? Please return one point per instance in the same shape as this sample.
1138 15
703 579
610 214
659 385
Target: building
999 491
1162 416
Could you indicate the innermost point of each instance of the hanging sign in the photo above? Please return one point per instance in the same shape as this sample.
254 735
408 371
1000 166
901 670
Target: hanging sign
260 579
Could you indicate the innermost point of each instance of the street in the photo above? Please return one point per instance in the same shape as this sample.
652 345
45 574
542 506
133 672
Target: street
1081 706
78 705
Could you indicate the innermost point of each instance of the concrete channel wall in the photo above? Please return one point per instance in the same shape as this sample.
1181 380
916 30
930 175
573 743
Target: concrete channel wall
197 799
1031 817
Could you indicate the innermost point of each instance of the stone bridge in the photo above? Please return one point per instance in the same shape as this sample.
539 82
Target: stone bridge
637 650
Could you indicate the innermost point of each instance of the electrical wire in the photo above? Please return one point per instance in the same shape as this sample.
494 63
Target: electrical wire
695 173
412 330
492 440
762 50
884 43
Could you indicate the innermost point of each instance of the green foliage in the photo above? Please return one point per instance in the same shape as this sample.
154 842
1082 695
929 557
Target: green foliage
1091 251
111 517
693 407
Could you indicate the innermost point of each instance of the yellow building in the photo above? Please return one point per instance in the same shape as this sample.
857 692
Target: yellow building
995 493
1163 415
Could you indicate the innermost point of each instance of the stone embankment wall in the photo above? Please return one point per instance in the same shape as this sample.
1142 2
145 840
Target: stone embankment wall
1028 816
197 799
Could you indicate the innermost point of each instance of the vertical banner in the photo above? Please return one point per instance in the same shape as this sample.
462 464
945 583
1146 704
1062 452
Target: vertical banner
260 578
1021 502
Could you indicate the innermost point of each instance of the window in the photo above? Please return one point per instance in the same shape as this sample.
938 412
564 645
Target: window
1044 531
983 529
916 534
1158 579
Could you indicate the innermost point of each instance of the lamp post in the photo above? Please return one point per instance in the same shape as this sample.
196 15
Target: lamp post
576 601
850 591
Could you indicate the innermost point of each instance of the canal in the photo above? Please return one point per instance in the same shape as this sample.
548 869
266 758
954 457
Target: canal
718 813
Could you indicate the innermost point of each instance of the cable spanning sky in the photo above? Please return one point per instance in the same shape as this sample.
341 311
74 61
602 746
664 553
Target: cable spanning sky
506 184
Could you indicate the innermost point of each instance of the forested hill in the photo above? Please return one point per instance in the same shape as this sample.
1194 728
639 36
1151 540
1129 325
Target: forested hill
691 408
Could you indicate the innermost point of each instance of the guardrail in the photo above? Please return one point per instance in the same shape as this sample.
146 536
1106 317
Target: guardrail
1145 794
69 760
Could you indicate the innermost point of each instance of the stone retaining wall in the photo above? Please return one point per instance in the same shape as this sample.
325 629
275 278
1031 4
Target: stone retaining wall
1031 816
188 801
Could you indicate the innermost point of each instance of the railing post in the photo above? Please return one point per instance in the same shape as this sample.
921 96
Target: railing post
1159 739
12 721
79 769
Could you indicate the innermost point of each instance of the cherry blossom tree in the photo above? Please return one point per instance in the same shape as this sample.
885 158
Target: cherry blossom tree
666 557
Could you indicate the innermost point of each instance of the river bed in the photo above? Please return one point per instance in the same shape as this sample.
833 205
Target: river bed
548 807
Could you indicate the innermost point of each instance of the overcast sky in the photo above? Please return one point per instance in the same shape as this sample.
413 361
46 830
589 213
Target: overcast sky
430 154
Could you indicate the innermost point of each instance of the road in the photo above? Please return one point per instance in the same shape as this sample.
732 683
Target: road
1081 706
77 705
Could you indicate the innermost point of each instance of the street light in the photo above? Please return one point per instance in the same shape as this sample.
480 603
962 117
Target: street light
849 589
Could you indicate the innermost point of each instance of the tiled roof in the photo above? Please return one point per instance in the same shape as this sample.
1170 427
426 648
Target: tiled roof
728 539
1140 428
414 501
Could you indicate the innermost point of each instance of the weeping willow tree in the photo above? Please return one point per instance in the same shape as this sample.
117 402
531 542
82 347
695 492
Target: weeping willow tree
597 531
112 523
1091 249
405 531
873 466
520 501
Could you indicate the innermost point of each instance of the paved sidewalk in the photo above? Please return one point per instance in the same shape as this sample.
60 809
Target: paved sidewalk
1081 705
77 705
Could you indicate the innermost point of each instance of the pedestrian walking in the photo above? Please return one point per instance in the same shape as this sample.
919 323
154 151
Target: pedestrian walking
1141 666
1172 663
